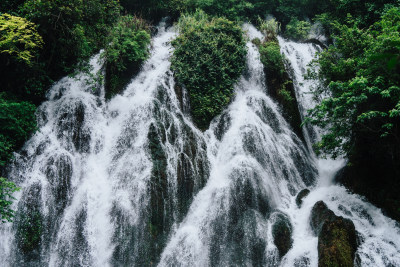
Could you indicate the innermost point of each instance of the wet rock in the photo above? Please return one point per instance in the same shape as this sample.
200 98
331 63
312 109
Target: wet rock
282 232
345 210
71 126
337 239
116 81
315 41
291 189
337 243
29 226
299 199
236 240
302 262
166 204
223 125
59 174
160 220
319 215
308 172
281 89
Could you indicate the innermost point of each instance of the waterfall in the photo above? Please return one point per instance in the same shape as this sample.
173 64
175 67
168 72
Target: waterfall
378 236
132 182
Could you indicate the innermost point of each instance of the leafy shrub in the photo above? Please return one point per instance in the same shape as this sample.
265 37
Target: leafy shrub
19 38
298 30
271 57
280 86
236 10
154 10
6 197
72 30
270 28
127 47
361 75
231 9
213 65
17 122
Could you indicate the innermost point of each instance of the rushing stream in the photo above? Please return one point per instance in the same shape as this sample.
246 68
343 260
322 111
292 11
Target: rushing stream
131 181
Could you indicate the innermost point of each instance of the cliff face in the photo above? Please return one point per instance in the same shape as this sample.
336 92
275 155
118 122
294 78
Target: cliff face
374 172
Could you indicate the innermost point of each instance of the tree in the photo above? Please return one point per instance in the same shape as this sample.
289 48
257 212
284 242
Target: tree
19 39
213 65
17 122
361 76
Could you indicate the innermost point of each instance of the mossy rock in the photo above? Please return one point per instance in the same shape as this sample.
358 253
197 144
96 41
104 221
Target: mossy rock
299 199
337 239
159 219
282 232
280 86
116 81
29 225
320 214
337 243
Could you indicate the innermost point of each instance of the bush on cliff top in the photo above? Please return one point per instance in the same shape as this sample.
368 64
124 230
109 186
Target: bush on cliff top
127 46
208 59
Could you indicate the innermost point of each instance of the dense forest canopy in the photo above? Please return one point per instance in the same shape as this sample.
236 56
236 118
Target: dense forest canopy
43 40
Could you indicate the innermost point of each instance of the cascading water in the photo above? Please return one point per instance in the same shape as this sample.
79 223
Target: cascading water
105 182
131 182
378 236
257 165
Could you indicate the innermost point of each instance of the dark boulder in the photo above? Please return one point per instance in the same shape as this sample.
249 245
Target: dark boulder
299 199
337 239
282 232
319 215
316 42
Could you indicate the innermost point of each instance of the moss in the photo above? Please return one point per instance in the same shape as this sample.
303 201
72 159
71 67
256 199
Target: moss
30 232
29 225
159 182
280 86
336 244
337 240
256 42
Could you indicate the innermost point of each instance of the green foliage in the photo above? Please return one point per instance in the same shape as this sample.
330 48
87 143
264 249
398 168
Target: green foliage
72 30
17 122
154 9
298 30
30 230
208 59
127 47
19 38
127 43
6 198
361 76
270 28
232 9
10 6
271 57
364 13
236 10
